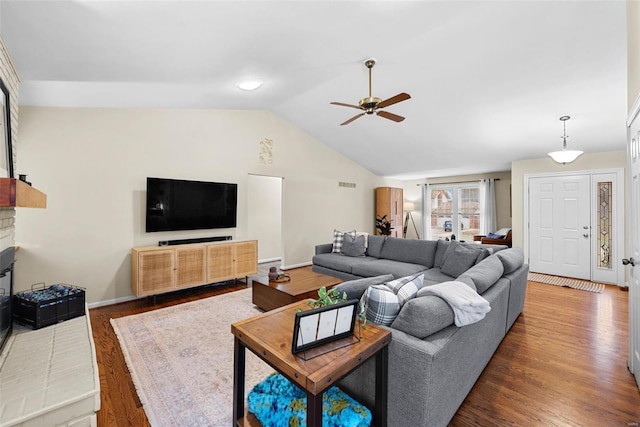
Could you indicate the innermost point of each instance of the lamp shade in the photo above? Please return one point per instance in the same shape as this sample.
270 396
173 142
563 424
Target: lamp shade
565 156
409 206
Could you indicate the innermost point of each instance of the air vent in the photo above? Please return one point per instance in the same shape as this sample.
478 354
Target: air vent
347 184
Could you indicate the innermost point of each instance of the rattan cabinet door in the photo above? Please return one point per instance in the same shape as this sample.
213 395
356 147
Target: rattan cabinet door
191 269
155 272
220 262
246 258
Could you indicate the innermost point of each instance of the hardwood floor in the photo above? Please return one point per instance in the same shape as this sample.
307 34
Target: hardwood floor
564 363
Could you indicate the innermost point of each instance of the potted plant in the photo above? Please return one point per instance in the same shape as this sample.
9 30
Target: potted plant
383 225
333 296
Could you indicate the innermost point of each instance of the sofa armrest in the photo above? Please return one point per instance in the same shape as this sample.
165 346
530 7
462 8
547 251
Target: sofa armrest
325 248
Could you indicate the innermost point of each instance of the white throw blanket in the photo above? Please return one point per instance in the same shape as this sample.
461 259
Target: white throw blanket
468 307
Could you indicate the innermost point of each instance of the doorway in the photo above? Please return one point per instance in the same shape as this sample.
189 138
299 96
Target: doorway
264 216
575 224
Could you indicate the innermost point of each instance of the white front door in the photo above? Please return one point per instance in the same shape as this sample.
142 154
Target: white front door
633 154
559 226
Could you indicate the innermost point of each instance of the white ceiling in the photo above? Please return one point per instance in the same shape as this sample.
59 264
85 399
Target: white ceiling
488 79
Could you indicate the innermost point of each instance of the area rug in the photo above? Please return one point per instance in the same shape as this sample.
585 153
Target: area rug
583 285
181 359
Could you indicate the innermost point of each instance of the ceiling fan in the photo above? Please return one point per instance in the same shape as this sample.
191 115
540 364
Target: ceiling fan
371 104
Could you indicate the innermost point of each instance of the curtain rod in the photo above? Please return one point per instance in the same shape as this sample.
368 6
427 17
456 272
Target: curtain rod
456 182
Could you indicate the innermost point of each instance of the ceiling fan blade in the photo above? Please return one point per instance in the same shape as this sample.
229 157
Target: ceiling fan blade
342 104
390 116
357 116
394 100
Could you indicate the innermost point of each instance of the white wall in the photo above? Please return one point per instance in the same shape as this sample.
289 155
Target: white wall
93 162
264 222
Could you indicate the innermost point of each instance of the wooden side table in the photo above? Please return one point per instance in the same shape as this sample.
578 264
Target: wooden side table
269 336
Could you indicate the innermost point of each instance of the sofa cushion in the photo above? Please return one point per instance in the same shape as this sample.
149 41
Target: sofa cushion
385 266
434 275
375 244
441 250
484 274
341 262
408 250
511 258
458 259
423 316
338 237
355 288
383 302
353 245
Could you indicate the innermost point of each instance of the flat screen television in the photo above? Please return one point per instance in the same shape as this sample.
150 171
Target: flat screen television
174 204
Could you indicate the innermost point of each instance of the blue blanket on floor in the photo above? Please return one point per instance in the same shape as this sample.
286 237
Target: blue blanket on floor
276 402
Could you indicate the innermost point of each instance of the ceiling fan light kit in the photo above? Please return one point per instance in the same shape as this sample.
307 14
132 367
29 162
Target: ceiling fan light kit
565 156
373 104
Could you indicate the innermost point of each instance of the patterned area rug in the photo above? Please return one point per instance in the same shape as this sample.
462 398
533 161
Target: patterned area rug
181 359
583 285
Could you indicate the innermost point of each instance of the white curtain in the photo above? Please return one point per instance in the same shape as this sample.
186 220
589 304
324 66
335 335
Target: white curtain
426 212
487 206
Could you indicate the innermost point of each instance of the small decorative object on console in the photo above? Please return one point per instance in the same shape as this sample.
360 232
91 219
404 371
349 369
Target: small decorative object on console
273 274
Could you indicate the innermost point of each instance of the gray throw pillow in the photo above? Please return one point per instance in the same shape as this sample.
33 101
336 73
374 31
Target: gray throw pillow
376 243
352 245
458 259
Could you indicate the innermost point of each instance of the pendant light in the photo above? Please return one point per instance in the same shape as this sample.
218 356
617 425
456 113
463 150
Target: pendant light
565 156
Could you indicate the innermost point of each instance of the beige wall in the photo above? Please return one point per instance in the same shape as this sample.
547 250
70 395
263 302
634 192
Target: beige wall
586 162
264 215
93 164
413 192
11 80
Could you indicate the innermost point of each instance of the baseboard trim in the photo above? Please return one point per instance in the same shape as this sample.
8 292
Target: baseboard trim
112 301
266 260
288 267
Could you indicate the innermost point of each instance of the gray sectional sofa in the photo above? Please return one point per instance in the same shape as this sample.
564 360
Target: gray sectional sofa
433 364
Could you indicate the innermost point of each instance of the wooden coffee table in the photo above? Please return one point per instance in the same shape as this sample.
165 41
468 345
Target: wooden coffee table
269 335
304 284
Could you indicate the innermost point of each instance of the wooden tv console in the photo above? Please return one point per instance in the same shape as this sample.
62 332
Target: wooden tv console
159 269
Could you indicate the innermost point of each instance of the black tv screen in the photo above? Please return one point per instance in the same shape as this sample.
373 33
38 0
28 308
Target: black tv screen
174 204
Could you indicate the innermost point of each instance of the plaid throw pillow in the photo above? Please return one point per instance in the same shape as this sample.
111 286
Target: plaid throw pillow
338 238
383 302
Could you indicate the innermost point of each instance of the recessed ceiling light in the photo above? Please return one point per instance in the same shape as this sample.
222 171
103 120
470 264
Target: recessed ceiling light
249 84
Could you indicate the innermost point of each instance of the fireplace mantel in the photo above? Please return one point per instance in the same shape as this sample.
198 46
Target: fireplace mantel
17 194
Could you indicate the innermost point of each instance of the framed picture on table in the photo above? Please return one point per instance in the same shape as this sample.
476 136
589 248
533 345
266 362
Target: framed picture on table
324 324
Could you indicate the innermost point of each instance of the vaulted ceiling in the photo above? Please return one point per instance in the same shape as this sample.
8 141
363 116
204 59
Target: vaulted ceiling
488 79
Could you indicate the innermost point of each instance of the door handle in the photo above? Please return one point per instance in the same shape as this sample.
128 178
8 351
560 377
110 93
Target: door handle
585 235
629 261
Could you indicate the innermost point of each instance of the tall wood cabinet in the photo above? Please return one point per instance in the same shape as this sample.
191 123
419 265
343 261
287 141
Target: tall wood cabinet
389 202
159 269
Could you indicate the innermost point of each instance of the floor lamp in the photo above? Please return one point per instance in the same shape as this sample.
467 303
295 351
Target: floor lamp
409 207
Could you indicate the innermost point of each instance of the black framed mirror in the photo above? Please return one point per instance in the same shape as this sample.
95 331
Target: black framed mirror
6 156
